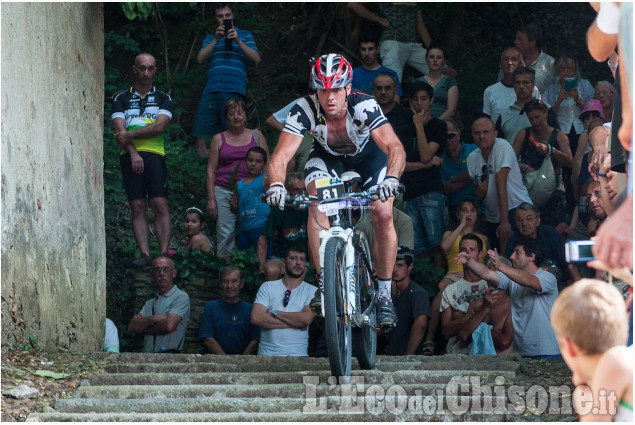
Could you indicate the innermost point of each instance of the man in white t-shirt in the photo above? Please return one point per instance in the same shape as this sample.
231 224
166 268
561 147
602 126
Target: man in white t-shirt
500 95
457 297
494 169
282 311
532 291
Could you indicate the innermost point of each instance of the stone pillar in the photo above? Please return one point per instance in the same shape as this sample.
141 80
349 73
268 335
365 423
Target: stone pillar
53 235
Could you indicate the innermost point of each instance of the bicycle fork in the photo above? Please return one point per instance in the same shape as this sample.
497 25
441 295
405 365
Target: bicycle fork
357 318
350 270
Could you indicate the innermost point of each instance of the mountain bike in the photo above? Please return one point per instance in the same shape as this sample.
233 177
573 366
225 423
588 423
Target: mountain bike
350 289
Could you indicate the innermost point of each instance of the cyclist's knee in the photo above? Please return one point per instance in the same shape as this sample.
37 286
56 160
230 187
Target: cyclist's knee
382 214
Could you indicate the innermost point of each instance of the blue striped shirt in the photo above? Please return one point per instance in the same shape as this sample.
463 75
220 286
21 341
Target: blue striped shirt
227 70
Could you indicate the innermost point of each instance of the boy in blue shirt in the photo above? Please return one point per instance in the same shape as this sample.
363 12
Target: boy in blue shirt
252 211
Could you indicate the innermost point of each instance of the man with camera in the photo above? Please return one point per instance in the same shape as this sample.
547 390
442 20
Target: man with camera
227 53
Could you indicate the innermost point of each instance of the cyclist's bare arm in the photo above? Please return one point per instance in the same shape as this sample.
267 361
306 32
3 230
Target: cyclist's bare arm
287 146
388 142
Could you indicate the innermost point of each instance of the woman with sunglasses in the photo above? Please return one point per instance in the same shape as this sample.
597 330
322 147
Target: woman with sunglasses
532 145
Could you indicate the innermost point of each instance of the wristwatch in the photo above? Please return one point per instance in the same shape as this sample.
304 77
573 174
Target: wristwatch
274 313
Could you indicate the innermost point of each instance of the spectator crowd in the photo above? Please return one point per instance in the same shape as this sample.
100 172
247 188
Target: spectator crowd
549 167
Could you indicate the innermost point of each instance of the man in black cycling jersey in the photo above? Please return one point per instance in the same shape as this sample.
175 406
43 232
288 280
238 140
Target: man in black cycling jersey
350 133
140 116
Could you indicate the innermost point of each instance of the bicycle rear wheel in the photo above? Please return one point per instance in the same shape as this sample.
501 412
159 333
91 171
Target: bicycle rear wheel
337 325
365 338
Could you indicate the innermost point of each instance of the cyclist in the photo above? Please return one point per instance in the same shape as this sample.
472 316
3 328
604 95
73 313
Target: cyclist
350 133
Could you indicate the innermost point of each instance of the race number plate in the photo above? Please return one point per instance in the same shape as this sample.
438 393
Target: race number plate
329 188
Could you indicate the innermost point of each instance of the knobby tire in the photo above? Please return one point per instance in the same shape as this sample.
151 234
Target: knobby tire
337 325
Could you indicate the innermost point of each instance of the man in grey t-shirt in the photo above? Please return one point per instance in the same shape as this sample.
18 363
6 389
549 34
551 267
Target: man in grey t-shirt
163 319
532 291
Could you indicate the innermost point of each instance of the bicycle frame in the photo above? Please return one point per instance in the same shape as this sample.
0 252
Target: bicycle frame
341 227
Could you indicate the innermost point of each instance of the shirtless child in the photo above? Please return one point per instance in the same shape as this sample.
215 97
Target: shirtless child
591 325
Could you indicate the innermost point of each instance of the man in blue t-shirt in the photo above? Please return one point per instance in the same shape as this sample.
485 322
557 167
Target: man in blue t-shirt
226 54
226 323
364 75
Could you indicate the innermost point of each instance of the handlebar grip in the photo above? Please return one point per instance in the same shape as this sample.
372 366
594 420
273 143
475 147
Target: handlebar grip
287 198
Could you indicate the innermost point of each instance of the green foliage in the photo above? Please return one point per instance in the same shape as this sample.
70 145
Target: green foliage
427 275
50 374
33 341
141 10
196 263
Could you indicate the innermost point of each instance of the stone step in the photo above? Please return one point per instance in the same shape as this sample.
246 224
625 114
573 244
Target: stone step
212 366
350 404
383 415
244 391
131 358
135 387
258 378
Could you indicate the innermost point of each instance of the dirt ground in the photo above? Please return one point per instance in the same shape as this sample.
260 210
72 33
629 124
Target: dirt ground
21 367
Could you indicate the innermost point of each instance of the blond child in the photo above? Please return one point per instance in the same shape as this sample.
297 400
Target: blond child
591 325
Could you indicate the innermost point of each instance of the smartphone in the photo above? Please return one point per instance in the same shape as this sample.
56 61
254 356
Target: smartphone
227 23
570 83
579 251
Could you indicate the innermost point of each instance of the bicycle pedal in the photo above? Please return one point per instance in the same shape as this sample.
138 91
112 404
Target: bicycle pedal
359 320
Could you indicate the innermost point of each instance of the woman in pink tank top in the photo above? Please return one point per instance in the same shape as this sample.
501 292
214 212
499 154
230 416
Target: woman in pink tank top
225 167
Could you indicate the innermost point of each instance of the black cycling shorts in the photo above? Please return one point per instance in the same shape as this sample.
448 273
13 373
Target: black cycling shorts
152 183
370 164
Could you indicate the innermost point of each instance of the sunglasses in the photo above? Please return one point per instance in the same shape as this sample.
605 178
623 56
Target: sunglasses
287 295
451 135
534 104
483 173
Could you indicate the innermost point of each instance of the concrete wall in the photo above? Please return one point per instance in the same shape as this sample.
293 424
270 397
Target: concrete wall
53 238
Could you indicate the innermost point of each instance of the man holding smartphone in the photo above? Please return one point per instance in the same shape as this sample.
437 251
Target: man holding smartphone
227 52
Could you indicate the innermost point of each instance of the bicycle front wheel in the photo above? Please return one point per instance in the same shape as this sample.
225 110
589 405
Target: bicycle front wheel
337 325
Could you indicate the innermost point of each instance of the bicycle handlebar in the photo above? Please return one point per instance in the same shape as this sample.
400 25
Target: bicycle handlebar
371 195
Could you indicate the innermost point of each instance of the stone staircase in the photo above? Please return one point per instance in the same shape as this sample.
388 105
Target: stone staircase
188 387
